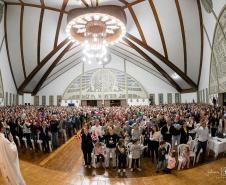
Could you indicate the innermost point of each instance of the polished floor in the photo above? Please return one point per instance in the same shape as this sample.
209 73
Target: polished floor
64 167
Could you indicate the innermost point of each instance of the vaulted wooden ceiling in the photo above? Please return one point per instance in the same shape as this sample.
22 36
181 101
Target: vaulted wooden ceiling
166 34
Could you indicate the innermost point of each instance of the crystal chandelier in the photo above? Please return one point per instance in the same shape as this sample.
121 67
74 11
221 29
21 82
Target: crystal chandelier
96 28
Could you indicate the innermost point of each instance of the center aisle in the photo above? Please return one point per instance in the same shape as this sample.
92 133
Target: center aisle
65 158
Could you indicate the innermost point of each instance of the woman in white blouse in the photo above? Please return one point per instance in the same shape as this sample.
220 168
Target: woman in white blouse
154 141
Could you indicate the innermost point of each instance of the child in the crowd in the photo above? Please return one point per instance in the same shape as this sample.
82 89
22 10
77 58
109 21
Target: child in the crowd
127 138
161 157
136 150
121 154
171 163
185 156
99 152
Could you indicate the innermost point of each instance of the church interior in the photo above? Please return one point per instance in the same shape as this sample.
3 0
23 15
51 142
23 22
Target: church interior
117 92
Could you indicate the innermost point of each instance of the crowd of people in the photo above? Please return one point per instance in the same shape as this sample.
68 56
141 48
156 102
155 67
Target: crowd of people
48 124
119 133
116 134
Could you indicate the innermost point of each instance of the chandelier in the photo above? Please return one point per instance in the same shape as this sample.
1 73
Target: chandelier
96 28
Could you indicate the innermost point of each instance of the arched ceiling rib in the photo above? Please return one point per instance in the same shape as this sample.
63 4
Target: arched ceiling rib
175 85
201 31
148 33
182 34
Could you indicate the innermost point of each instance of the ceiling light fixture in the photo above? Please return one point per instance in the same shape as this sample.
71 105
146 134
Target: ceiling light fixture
96 28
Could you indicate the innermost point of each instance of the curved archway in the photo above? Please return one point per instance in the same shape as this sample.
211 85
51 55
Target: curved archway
105 83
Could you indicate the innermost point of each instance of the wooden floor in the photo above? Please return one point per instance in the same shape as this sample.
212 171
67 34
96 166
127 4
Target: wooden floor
64 167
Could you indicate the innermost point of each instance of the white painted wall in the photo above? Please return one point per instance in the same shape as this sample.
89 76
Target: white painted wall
135 102
20 100
188 97
151 83
28 99
209 22
7 79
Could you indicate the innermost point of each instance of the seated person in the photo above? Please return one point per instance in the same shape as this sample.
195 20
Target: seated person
171 163
185 157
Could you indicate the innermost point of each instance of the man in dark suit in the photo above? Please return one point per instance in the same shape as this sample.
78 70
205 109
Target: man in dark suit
87 147
166 130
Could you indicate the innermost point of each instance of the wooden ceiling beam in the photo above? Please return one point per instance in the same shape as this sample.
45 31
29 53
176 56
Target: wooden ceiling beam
202 40
91 2
154 64
124 2
21 39
41 64
137 24
182 34
75 64
64 5
70 55
52 66
78 57
188 90
40 31
143 59
163 59
37 6
7 46
138 64
157 20
133 3
135 55
2 42
85 3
